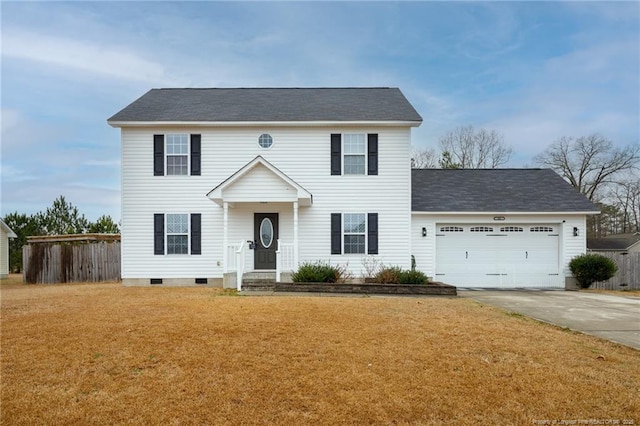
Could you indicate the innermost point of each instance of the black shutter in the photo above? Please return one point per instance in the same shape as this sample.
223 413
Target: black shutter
372 234
158 155
336 153
336 233
158 233
195 155
372 153
196 233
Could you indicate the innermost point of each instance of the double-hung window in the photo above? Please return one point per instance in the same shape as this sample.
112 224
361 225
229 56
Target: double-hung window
177 234
177 154
354 153
354 232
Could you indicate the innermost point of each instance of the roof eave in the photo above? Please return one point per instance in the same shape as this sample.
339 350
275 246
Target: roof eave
327 123
515 213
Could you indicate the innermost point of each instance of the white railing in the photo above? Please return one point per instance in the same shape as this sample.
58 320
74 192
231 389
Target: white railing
285 259
239 255
230 265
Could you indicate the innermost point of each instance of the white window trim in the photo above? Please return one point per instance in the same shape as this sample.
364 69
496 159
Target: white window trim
167 155
166 235
344 154
365 233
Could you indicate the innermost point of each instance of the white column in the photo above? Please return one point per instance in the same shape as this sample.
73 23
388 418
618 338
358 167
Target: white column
225 238
295 235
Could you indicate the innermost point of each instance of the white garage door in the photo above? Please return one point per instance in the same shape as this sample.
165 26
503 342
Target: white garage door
504 256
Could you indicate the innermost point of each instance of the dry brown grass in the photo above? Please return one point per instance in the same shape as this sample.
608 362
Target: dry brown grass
105 354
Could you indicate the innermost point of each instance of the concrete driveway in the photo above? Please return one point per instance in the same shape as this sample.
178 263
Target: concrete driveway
616 318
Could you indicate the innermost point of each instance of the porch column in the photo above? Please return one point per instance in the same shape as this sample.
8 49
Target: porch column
295 235
225 238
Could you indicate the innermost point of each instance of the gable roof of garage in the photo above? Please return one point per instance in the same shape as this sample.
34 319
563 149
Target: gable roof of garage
494 190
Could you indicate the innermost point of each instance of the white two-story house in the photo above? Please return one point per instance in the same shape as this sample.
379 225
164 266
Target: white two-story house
220 182
313 174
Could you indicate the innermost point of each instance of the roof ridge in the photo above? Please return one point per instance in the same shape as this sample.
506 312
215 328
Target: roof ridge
272 88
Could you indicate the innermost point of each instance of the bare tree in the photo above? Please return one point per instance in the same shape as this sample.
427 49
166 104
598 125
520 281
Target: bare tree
626 195
423 159
589 163
476 149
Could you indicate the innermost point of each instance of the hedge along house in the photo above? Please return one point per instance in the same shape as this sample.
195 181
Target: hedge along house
220 182
5 234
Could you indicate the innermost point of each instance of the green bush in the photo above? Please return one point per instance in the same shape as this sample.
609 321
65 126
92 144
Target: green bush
319 272
589 268
413 277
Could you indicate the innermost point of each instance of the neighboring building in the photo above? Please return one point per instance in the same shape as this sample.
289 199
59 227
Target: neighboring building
5 234
620 243
321 174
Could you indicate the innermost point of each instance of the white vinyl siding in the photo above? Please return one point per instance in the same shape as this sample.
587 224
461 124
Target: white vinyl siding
4 253
300 153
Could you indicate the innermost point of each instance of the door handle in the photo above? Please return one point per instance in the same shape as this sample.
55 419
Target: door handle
466 254
526 254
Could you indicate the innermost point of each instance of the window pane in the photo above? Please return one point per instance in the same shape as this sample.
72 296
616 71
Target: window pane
177 244
177 165
354 223
177 144
354 243
354 143
354 164
177 224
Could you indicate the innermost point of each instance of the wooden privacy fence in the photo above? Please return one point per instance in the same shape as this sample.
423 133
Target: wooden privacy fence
628 275
71 258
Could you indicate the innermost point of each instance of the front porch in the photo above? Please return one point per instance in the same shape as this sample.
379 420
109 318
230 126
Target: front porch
260 221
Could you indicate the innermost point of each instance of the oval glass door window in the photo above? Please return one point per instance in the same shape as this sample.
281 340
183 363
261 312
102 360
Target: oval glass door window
266 232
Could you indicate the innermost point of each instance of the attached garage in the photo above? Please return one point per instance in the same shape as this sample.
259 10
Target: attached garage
497 228
506 256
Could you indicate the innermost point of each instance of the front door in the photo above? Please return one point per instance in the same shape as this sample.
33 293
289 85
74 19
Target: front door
265 234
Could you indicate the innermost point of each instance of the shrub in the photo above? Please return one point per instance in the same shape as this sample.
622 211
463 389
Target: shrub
389 275
397 275
320 272
589 268
413 277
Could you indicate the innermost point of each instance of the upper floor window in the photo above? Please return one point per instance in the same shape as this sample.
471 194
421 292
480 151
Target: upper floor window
354 153
177 154
265 141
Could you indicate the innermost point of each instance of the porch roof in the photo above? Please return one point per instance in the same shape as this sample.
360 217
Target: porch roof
259 181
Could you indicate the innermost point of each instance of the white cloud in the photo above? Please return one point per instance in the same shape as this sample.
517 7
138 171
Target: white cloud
119 62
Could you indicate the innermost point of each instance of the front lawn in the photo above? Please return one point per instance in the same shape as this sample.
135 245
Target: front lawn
106 354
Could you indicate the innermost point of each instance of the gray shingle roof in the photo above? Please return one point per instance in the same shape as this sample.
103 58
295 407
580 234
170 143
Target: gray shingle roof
270 104
621 242
494 190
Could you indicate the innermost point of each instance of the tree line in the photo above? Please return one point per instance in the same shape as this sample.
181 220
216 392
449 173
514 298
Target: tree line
60 219
606 174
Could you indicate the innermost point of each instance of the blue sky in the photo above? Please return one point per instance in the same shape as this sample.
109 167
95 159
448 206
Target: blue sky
534 71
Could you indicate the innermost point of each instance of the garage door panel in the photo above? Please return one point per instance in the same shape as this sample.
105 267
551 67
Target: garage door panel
504 256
